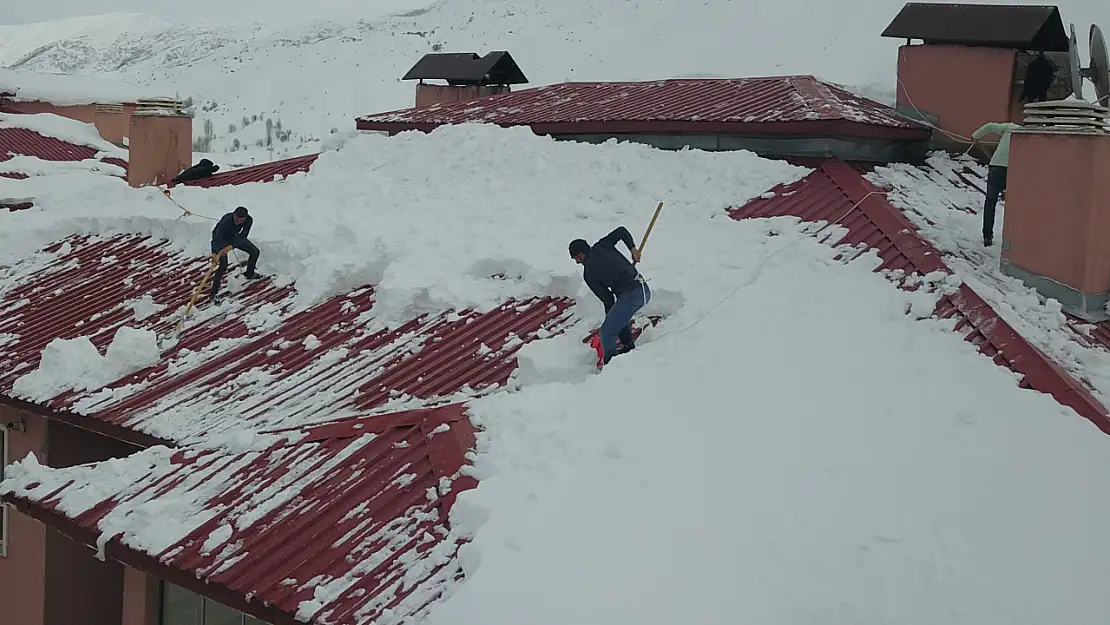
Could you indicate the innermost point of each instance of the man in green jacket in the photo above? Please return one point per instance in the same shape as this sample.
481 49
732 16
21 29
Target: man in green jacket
996 172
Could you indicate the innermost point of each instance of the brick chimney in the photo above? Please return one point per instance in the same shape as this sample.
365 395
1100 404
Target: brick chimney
112 122
1056 226
970 67
160 142
468 76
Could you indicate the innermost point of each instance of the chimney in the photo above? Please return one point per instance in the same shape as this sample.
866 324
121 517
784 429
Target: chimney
468 76
160 142
970 66
1056 226
111 122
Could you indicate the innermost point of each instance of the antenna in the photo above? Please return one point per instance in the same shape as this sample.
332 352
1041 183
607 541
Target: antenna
1099 71
1075 71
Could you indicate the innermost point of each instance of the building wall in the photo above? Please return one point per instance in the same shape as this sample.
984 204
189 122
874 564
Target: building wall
141 598
23 569
47 578
82 113
957 88
427 95
113 126
160 147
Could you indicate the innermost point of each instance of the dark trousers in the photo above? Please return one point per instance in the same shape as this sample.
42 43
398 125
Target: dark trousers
616 324
239 243
996 184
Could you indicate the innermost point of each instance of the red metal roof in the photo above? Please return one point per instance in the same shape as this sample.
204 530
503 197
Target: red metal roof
23 142
356 509
225 373
756 106
265 172
830 192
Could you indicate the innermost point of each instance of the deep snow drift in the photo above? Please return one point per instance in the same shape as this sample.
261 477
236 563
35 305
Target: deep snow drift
794 444
430 218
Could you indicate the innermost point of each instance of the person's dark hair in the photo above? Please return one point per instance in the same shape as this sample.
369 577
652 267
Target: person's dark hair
241 211
579 246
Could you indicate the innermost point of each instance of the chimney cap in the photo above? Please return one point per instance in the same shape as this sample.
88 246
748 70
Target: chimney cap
1019 27
467 68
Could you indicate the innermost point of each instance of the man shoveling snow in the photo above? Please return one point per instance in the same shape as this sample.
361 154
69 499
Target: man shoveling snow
232 231
617 283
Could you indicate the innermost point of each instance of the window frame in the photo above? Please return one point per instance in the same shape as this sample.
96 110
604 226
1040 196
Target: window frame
204 601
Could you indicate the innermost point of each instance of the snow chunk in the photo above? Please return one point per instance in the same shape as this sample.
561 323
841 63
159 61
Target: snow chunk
75 364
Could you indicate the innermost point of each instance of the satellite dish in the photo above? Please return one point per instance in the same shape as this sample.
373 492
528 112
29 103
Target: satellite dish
1076 72
1099 71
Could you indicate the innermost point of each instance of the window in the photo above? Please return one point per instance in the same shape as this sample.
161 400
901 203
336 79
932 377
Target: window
183 607
3 506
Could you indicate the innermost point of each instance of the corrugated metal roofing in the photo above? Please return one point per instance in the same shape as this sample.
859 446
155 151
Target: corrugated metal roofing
23 142
830 192
248 367
986 25
265 172
785 104
356 510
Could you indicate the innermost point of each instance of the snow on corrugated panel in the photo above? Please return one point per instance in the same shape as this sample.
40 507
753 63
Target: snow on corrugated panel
29 143
838 193
338 526
743 100
23 142
265 172
258 365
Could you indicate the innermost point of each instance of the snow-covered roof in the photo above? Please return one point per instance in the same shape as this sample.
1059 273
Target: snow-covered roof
259 364
262 172
67 89
340 523
797 105
810 382
831 193
44 146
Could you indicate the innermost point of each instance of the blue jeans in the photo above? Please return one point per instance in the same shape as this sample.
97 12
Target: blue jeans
616 320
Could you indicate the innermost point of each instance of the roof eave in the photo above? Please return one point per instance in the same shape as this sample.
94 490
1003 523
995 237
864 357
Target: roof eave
103 428
816 128
114 550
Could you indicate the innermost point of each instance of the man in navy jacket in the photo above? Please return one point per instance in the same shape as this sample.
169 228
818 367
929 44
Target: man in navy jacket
615 281
232 230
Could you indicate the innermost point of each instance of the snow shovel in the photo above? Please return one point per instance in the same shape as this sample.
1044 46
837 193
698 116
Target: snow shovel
207 274
651 225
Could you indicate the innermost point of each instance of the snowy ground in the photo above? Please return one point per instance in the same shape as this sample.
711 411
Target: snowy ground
315 67
791 445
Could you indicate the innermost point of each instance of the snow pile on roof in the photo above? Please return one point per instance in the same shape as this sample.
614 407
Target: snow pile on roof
795 424
805 445
63 128
67 89
430 220
944 199
75 364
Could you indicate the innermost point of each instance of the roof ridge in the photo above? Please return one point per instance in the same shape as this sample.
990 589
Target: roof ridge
1039 371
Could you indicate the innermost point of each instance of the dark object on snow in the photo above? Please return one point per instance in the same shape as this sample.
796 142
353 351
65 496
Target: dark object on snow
1038 78
203 169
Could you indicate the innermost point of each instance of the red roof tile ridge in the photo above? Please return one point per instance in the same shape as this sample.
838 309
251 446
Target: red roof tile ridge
1040 371
834 190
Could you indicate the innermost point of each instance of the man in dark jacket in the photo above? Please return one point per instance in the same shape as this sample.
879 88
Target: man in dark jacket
232 230
615 281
